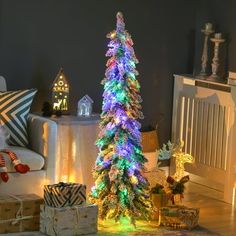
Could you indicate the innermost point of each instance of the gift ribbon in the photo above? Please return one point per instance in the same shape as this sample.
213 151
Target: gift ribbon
76 225
19 214
16 220
47 217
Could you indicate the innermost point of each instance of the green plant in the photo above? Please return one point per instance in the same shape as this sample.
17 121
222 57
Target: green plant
158 189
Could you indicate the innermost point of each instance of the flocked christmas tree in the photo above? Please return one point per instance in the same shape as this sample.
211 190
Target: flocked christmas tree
120 187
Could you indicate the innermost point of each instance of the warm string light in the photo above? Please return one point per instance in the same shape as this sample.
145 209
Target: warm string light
176 150
180 159
120 188
60 92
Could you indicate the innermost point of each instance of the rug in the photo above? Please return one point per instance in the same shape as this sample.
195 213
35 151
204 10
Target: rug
145 228
142 229
199 231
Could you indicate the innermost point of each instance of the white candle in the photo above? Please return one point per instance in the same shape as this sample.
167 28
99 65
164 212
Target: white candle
218 35
208 26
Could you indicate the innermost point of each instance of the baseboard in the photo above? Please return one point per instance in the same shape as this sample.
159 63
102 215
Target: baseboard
198 189
206 182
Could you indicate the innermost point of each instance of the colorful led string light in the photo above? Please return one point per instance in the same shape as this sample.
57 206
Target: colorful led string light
120 187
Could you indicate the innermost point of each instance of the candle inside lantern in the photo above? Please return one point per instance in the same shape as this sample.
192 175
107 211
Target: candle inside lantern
218 35
208 26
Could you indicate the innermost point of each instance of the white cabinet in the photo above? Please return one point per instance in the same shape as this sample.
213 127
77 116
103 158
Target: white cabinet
204 118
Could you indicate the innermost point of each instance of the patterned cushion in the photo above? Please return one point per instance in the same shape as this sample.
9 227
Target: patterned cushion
14 111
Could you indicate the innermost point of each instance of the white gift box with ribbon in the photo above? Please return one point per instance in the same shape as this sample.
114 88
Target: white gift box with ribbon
68 221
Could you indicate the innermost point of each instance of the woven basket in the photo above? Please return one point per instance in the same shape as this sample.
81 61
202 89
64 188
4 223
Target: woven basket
150 141
179 217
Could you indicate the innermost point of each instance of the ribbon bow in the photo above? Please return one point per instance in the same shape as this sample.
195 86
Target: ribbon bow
19 214
48 217
177 187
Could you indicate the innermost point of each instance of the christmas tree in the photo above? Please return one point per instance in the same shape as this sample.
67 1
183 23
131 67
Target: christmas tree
120 187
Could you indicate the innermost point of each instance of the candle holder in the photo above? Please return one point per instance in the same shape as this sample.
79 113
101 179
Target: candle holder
207 32
217 40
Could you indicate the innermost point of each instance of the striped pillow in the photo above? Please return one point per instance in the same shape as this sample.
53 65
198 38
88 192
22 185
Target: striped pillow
14 111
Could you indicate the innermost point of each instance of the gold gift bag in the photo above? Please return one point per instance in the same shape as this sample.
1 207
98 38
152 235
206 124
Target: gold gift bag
158 200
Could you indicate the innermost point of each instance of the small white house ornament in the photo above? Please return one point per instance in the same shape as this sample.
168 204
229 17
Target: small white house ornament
85 105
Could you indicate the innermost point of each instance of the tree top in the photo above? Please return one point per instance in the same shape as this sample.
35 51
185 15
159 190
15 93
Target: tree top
120 24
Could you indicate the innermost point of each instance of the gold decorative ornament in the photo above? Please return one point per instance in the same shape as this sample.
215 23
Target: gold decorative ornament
60 92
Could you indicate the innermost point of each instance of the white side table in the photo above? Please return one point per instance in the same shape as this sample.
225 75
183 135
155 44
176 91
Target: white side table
76 151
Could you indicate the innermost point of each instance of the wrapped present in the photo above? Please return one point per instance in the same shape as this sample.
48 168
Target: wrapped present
68 221
158 201
64 194
179 217
19 213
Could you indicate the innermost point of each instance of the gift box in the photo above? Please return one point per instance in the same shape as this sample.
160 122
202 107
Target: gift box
158 201
64 194
19 213
68 221
179 217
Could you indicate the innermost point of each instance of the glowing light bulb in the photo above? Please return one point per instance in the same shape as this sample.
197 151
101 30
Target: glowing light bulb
134 179
117 120
113 35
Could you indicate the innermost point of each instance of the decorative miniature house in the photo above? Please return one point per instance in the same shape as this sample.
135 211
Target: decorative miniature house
85 106
60 92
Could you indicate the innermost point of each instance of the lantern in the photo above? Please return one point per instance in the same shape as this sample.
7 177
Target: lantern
60 92
85 106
